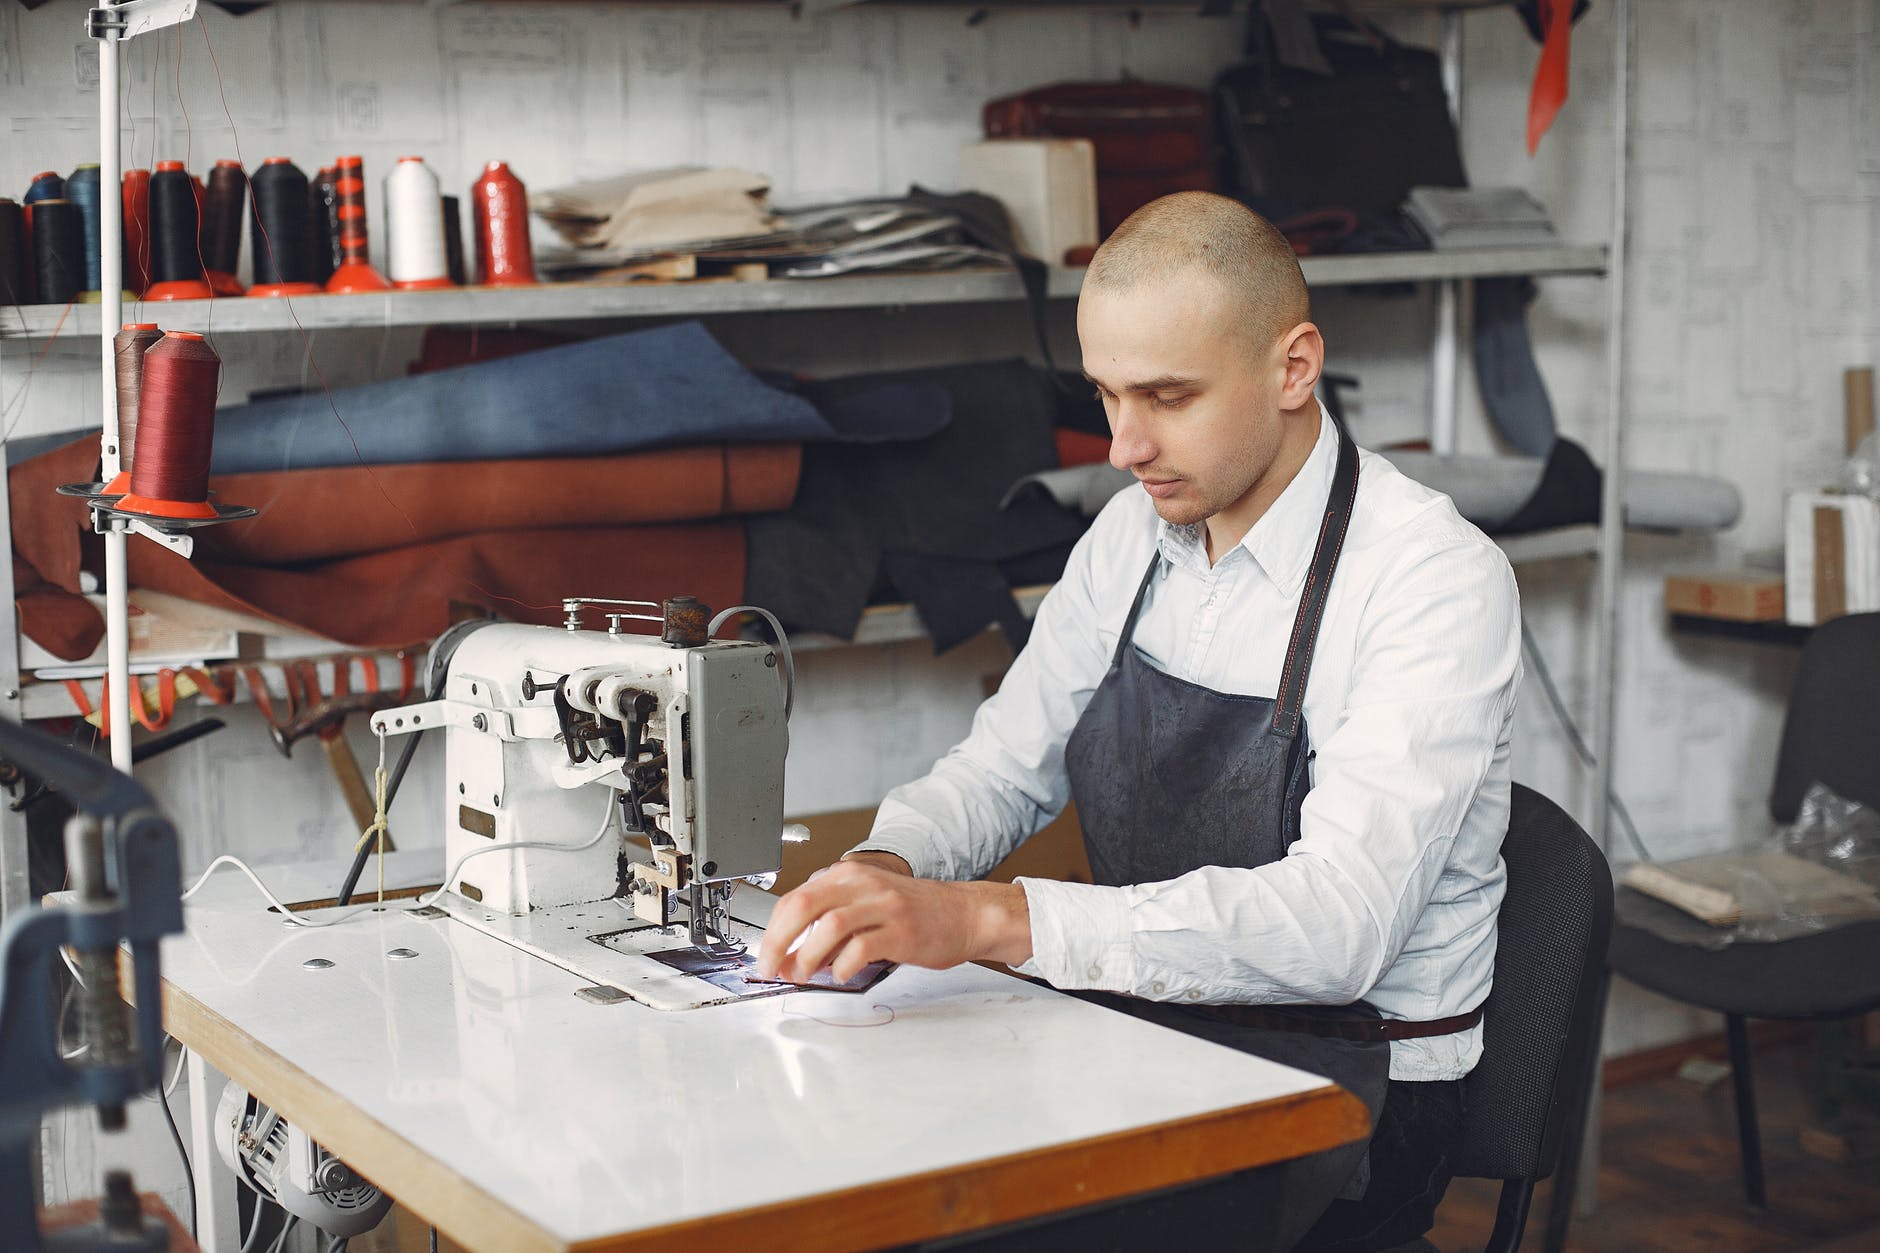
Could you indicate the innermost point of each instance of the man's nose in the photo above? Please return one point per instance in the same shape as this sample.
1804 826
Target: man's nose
1130 444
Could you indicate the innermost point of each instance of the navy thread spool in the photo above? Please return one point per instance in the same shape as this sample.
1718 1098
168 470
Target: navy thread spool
14 268
453 240
82 189
58 251
324 215
175 245
281 229
224 203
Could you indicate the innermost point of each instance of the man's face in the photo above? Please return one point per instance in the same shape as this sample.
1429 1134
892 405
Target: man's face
1193 403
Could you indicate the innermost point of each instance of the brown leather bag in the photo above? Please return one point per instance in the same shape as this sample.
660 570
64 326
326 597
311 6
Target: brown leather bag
1150 139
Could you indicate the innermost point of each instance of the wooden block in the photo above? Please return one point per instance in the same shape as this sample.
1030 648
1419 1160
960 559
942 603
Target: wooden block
1830 564
1734 596
1857 383
751 272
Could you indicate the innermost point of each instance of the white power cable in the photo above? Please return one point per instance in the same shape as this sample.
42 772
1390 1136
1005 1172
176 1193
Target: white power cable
420 902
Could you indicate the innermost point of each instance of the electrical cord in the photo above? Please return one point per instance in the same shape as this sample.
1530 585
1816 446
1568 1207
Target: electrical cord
189 1175
254 1223
280 1241
420 902
1533 652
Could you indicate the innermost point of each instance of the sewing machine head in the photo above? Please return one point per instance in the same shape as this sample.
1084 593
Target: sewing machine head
549 732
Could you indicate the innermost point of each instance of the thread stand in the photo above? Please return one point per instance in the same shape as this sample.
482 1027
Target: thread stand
108 521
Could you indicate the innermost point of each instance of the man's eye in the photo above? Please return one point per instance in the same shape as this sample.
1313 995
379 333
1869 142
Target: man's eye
1170 402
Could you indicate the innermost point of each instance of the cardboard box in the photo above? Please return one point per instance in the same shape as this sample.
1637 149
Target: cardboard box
1048 188
1733 595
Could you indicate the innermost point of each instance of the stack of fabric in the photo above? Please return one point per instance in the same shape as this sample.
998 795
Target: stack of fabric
630 466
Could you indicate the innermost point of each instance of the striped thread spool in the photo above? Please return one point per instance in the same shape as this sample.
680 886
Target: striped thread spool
130 344
175 429
58 251
414 227
83 190
355 272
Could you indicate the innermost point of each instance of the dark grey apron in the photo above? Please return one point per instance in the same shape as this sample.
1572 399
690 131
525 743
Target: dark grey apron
1169 776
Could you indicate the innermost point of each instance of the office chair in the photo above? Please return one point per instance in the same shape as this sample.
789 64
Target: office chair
1541 1025
1832 736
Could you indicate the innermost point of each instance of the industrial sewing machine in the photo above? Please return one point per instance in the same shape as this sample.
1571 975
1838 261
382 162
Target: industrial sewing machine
549 733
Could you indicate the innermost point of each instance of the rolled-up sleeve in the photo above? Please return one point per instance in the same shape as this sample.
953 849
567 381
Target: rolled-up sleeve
1434 675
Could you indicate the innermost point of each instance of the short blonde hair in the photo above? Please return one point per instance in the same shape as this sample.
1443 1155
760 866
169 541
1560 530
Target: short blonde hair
1222 238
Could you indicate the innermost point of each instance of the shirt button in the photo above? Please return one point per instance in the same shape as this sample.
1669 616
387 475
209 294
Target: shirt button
1194 995
1096 972
1158 987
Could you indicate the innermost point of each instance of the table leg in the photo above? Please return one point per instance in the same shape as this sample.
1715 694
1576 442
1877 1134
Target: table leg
218 1225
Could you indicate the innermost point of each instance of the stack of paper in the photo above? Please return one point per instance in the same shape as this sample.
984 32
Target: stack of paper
1479 217
613 220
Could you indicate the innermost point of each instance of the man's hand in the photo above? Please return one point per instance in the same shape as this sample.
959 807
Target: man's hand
858 912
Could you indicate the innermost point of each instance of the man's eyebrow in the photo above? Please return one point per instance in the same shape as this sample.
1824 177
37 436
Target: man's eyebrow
1163 383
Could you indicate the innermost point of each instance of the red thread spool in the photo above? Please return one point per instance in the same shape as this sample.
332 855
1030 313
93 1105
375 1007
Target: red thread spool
499 212
175 429
355 272
137 229
130 345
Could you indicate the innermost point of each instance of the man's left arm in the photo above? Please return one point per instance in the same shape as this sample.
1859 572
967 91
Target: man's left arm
1433 684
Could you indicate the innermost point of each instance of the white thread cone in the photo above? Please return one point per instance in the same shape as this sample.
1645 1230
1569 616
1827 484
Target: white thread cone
414 223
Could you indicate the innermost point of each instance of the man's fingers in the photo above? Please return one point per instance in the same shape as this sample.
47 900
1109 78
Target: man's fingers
855 955
793 916
821 942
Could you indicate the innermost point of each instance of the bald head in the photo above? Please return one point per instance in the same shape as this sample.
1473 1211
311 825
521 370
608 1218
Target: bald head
1198 233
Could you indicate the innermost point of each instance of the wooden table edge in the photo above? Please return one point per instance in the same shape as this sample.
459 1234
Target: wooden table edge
928 1205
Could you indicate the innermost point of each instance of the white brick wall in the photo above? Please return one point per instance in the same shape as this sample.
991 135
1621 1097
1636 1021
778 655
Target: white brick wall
1753 279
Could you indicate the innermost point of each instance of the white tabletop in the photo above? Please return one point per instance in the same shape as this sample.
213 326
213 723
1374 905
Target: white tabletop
473 1084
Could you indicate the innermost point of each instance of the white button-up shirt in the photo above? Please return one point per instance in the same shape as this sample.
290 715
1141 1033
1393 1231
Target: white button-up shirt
1391 891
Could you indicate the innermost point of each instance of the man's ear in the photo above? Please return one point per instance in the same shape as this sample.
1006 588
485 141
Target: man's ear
1302 351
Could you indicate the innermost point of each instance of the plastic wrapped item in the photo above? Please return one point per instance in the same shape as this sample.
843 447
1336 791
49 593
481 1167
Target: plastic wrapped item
1821 871
1861 475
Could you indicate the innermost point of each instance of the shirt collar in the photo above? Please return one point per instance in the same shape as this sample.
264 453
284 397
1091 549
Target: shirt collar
1283 540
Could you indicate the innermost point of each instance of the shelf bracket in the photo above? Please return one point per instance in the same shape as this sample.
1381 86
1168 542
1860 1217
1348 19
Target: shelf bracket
183 546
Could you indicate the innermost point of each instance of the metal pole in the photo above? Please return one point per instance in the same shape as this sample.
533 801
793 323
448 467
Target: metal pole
1446 348
1611 523
111 281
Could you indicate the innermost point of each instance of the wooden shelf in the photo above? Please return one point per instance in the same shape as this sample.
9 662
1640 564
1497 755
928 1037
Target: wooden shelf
573 302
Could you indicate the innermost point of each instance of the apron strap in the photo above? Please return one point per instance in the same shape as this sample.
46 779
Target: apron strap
1135 608
1290 702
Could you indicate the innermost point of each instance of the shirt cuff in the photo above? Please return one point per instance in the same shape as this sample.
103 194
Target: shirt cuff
910 845
1080 935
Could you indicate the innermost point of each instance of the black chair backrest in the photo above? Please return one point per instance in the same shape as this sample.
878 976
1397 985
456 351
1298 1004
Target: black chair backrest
1538 1026
1832 732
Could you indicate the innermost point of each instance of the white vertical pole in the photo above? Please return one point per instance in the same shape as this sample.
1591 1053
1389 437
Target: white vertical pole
1445 351
111 281
1611 524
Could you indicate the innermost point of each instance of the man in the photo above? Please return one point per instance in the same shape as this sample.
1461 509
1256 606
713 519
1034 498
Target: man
1331 846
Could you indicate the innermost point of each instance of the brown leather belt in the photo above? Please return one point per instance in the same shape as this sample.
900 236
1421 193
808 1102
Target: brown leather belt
1303 1020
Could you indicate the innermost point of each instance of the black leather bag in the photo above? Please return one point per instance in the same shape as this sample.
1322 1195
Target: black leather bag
1358 139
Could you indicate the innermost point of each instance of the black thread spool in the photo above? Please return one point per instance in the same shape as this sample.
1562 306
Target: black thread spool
58 251
14 266
175 246
223 206
282 227
176 429
453 240
323 212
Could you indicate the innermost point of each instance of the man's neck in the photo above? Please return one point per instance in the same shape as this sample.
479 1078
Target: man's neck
1228 527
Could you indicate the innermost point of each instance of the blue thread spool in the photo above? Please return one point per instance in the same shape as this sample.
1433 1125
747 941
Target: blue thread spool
82 189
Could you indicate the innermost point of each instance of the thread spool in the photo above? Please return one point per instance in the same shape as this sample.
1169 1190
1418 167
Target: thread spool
323 219
175 248
281 230
137 229
130 344
82 190
414 227
453 240
58 251
499 214
45 186
14 289
355 272
175 430
224 204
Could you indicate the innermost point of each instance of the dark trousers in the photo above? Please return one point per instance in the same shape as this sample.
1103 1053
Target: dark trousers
1413 1154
